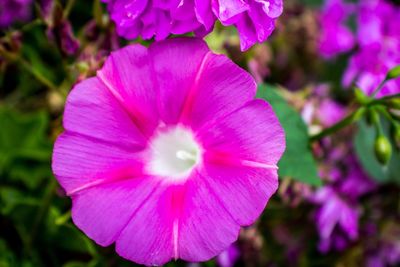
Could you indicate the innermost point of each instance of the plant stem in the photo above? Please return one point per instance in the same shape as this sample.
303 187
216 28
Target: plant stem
352 117
380 86
43 80
28 67
68 8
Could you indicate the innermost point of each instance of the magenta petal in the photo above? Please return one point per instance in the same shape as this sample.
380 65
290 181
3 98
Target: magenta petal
263 24
91 110
247 32
205 226
103 211
231 137
227 9
243 191
176 63
148 237
80 162
126 74
220 88
204 13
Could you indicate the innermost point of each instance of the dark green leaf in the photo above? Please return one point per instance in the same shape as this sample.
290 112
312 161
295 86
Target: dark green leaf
24 151
312 3
68 237
297 162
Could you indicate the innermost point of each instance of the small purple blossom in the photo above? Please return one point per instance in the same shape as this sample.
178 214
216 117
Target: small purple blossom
229 256
335 37
59 28
334 212
338 214
14 10
254 19
63 36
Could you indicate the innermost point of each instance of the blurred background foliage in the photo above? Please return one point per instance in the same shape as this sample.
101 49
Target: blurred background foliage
41 60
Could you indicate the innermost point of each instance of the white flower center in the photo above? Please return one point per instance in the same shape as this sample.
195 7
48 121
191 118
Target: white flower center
173 153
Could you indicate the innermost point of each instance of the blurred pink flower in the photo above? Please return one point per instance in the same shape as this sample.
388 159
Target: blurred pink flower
14 10
334 212
166 152
229 256
336 37
378 37
338 214
254 19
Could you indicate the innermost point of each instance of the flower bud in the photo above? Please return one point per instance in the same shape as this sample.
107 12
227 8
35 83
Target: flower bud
383 149
393 73
394 103
360 96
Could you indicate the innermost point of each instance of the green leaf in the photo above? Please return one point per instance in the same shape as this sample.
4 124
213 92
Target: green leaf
297 162
10 198
68 237
364 145
312 3
24 150
7 257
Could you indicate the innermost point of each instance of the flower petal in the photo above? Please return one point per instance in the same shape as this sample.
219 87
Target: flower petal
243 191
230 138
204 13
263 24
103 211
220 88
126 73
80 162
91 110
227 9
205 227
148 237
176 63
247 31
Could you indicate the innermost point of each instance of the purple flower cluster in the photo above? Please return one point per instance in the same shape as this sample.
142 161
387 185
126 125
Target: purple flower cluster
14 10
338 214
335 36
254 19
377 37
338 209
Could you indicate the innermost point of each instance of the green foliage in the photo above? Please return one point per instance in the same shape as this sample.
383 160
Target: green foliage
312 3
393 73
24 149
297 162
364 146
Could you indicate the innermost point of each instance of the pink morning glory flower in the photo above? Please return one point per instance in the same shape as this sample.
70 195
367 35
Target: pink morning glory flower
166 153
254 19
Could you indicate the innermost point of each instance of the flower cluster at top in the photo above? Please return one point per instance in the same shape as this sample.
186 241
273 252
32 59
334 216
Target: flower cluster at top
376 41
254 19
